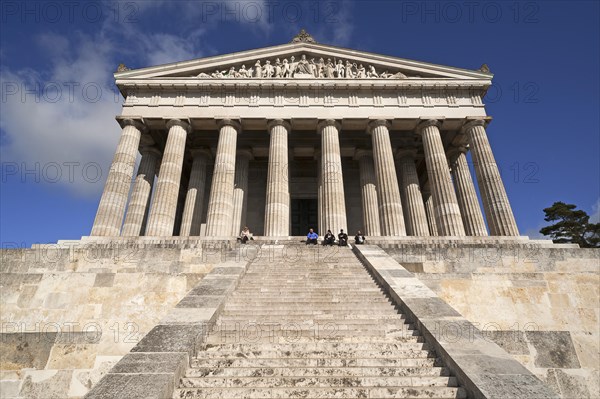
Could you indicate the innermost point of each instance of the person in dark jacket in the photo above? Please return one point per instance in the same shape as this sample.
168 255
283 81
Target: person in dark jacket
342 238
359 238
311 237
328 238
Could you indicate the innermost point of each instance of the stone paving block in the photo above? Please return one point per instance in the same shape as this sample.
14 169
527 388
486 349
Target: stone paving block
133 386
430 307
104 280
511 341
170 338
208 290
197 301
504 386
46 384
188 315
553 349
152 363
25 350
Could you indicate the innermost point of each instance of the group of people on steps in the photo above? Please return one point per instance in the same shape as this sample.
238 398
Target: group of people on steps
312 237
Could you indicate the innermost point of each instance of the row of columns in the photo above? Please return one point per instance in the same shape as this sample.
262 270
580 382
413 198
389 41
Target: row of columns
447 207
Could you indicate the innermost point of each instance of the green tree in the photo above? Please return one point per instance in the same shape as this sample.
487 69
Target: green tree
572 226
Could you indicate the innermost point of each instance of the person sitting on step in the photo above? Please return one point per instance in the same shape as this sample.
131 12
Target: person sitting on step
245 235
311 237
342 238
328 238
359 238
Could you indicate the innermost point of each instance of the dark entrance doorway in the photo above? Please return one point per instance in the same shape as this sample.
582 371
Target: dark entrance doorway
304 216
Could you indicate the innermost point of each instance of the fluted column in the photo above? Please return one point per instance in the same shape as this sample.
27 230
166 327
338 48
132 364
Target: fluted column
416 218
116 189
465 193
240 190
194 198
368 189
277 207
334 205
220 204
429 210
319 192
139 203
388 192
447 212
161 220
497 209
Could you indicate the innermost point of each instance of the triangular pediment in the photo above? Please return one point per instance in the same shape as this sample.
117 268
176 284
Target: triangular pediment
301 61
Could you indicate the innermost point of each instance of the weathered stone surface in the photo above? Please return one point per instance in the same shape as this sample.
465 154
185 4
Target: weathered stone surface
133 386
72 356
197 301
46 384
181 315
511 341
553 349
152 363
501 386
430 307
104 280
170 338
25 350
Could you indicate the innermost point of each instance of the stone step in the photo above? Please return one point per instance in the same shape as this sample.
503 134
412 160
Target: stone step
290 336
307 297
296 314
388 392
314 362
232 321
256 325
307 301
322 308
315 372
327 346
317 382
410 350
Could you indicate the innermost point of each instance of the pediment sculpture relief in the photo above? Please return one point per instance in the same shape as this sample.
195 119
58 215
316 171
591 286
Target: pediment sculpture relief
304 68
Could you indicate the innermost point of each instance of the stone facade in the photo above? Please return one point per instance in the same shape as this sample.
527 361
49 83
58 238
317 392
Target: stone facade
283 139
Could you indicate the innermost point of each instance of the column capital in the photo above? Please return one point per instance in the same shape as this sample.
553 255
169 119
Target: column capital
278 122
178 122
473 121
426 122
378 122
362 152
245 153
406 152
201 151
328 122
230 122
137 122
457 149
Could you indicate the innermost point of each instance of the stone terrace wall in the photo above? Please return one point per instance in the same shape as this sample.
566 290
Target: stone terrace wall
68 315
540 304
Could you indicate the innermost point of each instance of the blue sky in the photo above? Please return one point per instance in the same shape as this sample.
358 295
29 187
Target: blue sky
58 101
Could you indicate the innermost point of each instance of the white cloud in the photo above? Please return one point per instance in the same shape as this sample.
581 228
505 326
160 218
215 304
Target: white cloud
595 216
68 114
61 115
535 234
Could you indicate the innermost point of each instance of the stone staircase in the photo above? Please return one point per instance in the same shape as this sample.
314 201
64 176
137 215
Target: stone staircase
313 324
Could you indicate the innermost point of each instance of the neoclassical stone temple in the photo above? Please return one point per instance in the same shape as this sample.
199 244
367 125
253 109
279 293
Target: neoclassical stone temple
303 135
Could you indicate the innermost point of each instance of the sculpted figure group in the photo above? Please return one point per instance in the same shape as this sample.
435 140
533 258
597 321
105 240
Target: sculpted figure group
303 68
